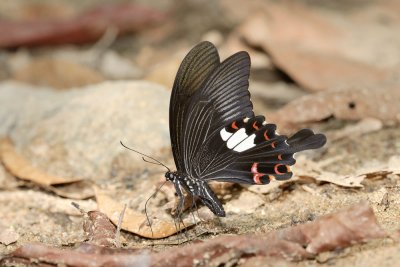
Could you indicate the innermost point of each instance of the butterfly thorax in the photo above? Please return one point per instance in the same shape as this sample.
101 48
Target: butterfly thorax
190 184
172 176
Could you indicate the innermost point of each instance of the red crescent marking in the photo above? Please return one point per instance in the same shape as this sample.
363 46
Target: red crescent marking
265 135
255 126
256 174
256 178
254 168
234 125
280 156
273 144
276 169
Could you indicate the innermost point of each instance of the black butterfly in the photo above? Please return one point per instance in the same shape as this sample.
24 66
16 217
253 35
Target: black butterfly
215 135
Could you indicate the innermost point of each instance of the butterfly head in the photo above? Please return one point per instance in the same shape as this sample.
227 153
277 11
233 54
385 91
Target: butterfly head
170 176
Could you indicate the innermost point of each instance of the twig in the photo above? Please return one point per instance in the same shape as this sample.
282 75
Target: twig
117 233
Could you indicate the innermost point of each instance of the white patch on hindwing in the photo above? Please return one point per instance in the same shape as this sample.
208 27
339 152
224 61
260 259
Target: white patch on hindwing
225 134
236 138
240 141
246 144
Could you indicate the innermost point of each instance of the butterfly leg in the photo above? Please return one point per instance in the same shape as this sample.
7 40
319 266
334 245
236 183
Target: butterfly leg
181 203
179 208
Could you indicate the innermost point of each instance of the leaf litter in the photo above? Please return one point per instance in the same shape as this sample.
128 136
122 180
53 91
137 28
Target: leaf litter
137 222
19 166
347 104
350 226
317 40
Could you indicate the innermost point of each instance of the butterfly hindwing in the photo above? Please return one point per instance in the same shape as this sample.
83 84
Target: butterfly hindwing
261 155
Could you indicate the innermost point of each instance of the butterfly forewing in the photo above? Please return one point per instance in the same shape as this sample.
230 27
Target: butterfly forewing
193 72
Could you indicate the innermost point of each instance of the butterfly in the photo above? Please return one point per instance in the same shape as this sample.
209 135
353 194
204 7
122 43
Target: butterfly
215 135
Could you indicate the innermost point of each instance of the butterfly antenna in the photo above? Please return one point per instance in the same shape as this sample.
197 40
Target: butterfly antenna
156 162
145 207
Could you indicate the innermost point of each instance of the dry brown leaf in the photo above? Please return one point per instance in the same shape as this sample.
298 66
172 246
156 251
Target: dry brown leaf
351 104
76 190
7 181
136 222
99 229
353 225
307 169
17 165
312 170
315 46
351 73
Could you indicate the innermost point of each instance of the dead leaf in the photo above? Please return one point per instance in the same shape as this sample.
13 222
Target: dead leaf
76 190
17 165
86 27
315 45
351 104
307 169
99 229
136 222
353 225
7 181
351 73
57 73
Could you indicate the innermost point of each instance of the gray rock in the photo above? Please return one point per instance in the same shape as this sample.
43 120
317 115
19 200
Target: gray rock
76 133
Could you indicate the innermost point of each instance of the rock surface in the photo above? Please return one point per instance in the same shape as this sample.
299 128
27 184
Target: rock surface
89 122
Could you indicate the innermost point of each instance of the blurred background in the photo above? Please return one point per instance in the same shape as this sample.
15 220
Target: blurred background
76 77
